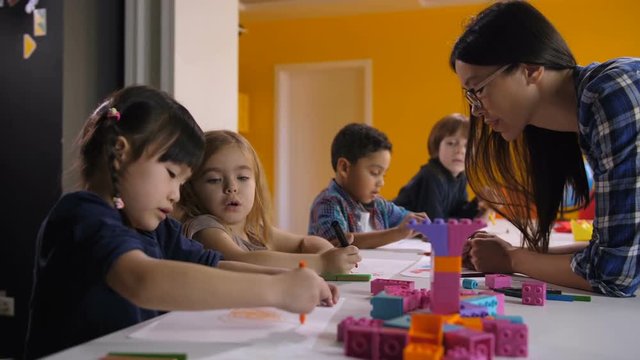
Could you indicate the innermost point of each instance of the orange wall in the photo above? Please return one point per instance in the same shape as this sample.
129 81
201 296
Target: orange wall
412 83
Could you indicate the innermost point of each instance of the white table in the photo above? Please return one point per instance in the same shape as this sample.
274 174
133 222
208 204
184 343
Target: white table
605 328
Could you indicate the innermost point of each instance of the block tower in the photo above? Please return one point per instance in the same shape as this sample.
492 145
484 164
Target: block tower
447 240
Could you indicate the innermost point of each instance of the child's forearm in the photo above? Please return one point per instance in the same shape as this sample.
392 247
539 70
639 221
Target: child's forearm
253 268
553 268
276 259
173 285
374 239
314 245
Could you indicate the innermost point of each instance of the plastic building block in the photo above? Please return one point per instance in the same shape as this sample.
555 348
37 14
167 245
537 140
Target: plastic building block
534 293
447 263
472 310
451 327
378 285
515 319
437 232
391 344
459 232
499 297
471 323
582 230
511 338
403 322
417 351
386 306
469 284
476 342
351 321
445 293
490 302
497 281
460 353
360 341
426 328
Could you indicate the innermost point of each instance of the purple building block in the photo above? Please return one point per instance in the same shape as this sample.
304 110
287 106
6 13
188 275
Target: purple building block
497 281
472 310
360 341
351 321
437 232
391 344
534 293
475 342
378 285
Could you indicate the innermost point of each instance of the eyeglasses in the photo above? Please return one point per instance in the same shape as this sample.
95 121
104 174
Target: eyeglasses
472 94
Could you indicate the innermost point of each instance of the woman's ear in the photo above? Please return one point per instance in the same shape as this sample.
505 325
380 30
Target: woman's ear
342 167
122 151
533 73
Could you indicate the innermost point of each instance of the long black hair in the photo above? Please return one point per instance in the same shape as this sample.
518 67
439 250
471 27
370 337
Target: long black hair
527 177
150 120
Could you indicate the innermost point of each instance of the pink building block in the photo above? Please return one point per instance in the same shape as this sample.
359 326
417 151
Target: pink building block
511 338
459 232
391 344
378 285
360 341
497 281
460 353
375 343
351 321
445 293
534 293
475 342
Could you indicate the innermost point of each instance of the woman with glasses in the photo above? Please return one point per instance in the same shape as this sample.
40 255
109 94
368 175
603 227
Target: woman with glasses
534 114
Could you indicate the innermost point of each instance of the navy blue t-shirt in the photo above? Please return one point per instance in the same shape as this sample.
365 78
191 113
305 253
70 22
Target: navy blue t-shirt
435 191
77 244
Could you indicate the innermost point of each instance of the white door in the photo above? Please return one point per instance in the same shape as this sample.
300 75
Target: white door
313 101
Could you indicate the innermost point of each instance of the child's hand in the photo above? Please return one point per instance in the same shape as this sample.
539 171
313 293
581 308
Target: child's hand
300 291
340 260
404 230
336 243
488 253
335 295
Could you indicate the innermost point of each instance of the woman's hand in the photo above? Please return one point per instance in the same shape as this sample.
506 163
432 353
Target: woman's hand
488 253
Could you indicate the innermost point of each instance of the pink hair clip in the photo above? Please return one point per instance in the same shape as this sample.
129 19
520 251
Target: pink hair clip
113 113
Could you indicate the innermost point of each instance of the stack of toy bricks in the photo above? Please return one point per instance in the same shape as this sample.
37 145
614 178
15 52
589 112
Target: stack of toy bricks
448 322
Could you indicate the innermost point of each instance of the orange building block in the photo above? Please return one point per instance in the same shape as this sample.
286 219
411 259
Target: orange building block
450 264
426 328
471 323
414 351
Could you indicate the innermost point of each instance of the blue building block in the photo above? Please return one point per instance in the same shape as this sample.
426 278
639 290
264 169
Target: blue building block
451 327
488 301
514 319
386 307
469 283
403 322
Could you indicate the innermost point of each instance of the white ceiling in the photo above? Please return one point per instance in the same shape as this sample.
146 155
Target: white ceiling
269 10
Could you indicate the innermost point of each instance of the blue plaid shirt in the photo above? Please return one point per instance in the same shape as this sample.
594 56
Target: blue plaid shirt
334 203
609 127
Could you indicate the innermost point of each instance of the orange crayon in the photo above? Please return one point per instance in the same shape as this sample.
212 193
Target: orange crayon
301 265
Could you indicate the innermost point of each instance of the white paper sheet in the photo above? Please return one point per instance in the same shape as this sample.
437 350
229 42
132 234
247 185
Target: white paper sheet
421 268
408 244
381 268
238 325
